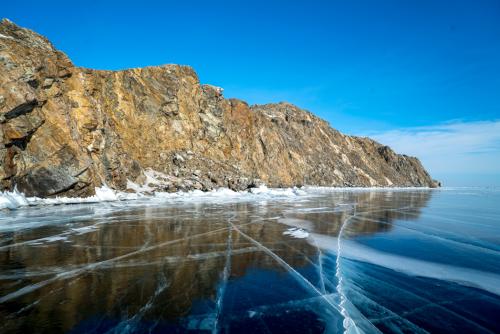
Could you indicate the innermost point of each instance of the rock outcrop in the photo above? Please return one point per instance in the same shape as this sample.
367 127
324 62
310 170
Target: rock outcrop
65 130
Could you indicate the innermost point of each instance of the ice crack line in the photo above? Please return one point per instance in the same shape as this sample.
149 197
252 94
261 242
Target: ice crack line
95 265
295 274
130 325
320 267
348 322
225 276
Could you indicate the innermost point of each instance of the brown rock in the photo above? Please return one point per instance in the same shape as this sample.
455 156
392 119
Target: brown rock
65 130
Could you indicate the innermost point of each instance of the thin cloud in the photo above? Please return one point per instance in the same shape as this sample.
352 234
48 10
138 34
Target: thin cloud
453 148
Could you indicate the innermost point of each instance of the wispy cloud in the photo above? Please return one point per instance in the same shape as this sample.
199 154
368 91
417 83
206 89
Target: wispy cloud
450 149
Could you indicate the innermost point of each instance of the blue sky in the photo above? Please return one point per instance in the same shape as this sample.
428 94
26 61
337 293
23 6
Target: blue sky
406 72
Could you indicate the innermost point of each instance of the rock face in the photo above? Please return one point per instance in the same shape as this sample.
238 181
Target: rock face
65 130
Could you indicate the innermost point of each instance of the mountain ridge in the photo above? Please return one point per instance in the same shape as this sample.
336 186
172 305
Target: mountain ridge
66 130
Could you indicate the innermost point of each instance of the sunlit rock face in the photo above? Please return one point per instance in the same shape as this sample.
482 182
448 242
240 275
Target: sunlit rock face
65 130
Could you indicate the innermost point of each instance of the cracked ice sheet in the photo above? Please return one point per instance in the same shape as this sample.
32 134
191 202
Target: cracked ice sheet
112 260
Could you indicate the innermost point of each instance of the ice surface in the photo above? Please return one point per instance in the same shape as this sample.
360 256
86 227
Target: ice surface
223 284
470 277
312 259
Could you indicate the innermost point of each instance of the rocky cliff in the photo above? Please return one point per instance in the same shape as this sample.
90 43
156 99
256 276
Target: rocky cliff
65 130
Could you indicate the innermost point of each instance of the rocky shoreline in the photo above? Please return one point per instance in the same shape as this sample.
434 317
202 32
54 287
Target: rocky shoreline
66 130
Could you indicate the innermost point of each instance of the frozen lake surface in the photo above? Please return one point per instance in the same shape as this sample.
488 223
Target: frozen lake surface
288 261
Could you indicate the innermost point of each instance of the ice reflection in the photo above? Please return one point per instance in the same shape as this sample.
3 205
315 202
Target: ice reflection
217 267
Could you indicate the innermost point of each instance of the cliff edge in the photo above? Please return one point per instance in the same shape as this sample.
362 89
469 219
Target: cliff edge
65 130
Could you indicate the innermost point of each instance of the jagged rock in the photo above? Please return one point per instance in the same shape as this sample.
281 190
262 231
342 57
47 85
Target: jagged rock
47 83
65 130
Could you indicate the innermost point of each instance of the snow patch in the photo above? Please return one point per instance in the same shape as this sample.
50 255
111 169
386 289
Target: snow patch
278 191
251 314
15 199
54 238
6 37
297 233
12 200
296 223
389 182
84 230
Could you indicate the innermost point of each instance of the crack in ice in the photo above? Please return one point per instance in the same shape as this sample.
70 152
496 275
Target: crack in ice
225 276
348 322
130 325
291 270
78 271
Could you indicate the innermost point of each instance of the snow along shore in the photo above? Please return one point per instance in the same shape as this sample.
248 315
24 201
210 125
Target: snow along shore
14 199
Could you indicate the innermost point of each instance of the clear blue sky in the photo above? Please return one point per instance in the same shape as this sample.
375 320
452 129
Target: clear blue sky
395 70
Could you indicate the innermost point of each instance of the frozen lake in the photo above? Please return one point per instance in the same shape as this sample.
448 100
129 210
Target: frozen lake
410 261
